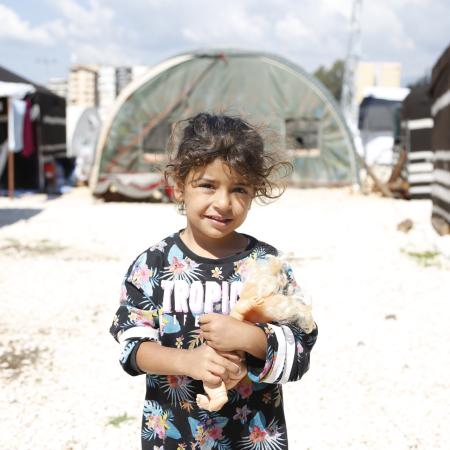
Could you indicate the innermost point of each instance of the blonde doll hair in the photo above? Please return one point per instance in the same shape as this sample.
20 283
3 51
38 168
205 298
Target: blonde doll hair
267 279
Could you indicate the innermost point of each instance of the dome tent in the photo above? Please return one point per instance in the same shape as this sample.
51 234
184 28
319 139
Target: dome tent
263 88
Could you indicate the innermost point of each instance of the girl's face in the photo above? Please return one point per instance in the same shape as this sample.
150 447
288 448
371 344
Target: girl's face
217 200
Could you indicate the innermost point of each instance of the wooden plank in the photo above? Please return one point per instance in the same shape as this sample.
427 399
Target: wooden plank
378 183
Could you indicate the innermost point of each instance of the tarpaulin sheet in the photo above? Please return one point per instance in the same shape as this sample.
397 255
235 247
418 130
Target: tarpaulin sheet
264 89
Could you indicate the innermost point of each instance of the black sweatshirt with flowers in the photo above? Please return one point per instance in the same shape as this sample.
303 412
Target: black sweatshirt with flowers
165 291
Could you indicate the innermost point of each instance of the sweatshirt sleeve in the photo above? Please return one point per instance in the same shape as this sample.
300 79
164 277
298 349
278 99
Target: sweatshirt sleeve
136 319
288 347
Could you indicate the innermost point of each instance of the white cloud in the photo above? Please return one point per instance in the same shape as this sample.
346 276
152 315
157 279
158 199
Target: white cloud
110 54
94 22
290 28
14 29
91 32
235 26
310 32
343 7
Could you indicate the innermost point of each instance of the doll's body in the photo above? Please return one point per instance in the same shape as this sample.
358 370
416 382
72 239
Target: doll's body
265 297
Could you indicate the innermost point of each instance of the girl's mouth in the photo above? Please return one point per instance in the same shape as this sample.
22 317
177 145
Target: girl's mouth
219 220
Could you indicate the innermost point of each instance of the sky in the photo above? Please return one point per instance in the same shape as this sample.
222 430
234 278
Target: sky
41 39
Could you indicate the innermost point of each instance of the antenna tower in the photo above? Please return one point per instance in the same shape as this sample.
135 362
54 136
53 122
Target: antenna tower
348 98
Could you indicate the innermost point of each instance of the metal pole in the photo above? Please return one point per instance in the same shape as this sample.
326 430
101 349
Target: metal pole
348 95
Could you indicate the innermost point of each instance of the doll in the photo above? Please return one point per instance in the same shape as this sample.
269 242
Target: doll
266 296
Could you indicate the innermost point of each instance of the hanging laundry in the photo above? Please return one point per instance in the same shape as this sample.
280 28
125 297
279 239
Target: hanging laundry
28 136
3 156
16 112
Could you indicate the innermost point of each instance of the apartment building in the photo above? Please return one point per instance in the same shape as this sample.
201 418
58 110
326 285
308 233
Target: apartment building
82 86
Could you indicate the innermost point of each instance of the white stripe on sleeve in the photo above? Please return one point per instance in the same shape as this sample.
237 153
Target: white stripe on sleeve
290 353
139 332
277 368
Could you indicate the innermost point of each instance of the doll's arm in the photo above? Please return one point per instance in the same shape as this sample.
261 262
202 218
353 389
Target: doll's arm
244 306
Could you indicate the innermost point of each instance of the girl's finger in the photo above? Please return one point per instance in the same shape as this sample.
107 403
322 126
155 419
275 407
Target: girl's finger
205 336
218 370
213 379
232 356
205 318
205 327
227 364
214 344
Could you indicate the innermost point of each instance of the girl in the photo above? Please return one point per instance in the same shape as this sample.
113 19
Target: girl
173 322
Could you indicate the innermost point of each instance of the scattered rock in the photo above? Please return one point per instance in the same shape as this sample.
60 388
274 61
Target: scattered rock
405 225
15 356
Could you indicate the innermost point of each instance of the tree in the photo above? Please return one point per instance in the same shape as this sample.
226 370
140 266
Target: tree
332 78
421 81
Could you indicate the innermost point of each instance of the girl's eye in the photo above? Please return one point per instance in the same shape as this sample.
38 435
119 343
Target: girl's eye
206 186
240 190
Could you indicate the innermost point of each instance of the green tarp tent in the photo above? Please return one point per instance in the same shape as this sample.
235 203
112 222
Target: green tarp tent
264 88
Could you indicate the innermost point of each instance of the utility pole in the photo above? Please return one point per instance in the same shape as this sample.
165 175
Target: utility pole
348 97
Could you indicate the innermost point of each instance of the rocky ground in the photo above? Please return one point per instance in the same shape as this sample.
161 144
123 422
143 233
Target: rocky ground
379 373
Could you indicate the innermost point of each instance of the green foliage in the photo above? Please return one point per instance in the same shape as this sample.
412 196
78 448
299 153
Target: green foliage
426 258
421 81
116 421
332 78
39 247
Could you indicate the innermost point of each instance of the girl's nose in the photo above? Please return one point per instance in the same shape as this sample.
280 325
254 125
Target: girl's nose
222 200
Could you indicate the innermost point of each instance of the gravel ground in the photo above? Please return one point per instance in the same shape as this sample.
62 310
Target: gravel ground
379 376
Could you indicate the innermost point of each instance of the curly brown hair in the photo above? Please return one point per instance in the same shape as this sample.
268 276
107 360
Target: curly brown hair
239 144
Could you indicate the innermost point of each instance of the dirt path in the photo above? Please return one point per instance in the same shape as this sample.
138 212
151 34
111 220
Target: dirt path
379 372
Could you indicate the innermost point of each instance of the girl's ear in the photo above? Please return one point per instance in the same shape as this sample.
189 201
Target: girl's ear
178 192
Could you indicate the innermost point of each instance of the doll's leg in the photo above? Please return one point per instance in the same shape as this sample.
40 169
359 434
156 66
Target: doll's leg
215 398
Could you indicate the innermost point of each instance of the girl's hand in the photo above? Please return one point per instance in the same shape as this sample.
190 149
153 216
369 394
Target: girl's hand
235 357
205 364
223 333
239 359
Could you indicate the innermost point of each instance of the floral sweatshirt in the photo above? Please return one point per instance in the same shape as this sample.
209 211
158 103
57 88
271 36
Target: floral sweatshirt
165 291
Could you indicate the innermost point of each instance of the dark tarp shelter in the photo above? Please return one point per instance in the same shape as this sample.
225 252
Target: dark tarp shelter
417 125
440 110
49 130
378 123
377 114
265 89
